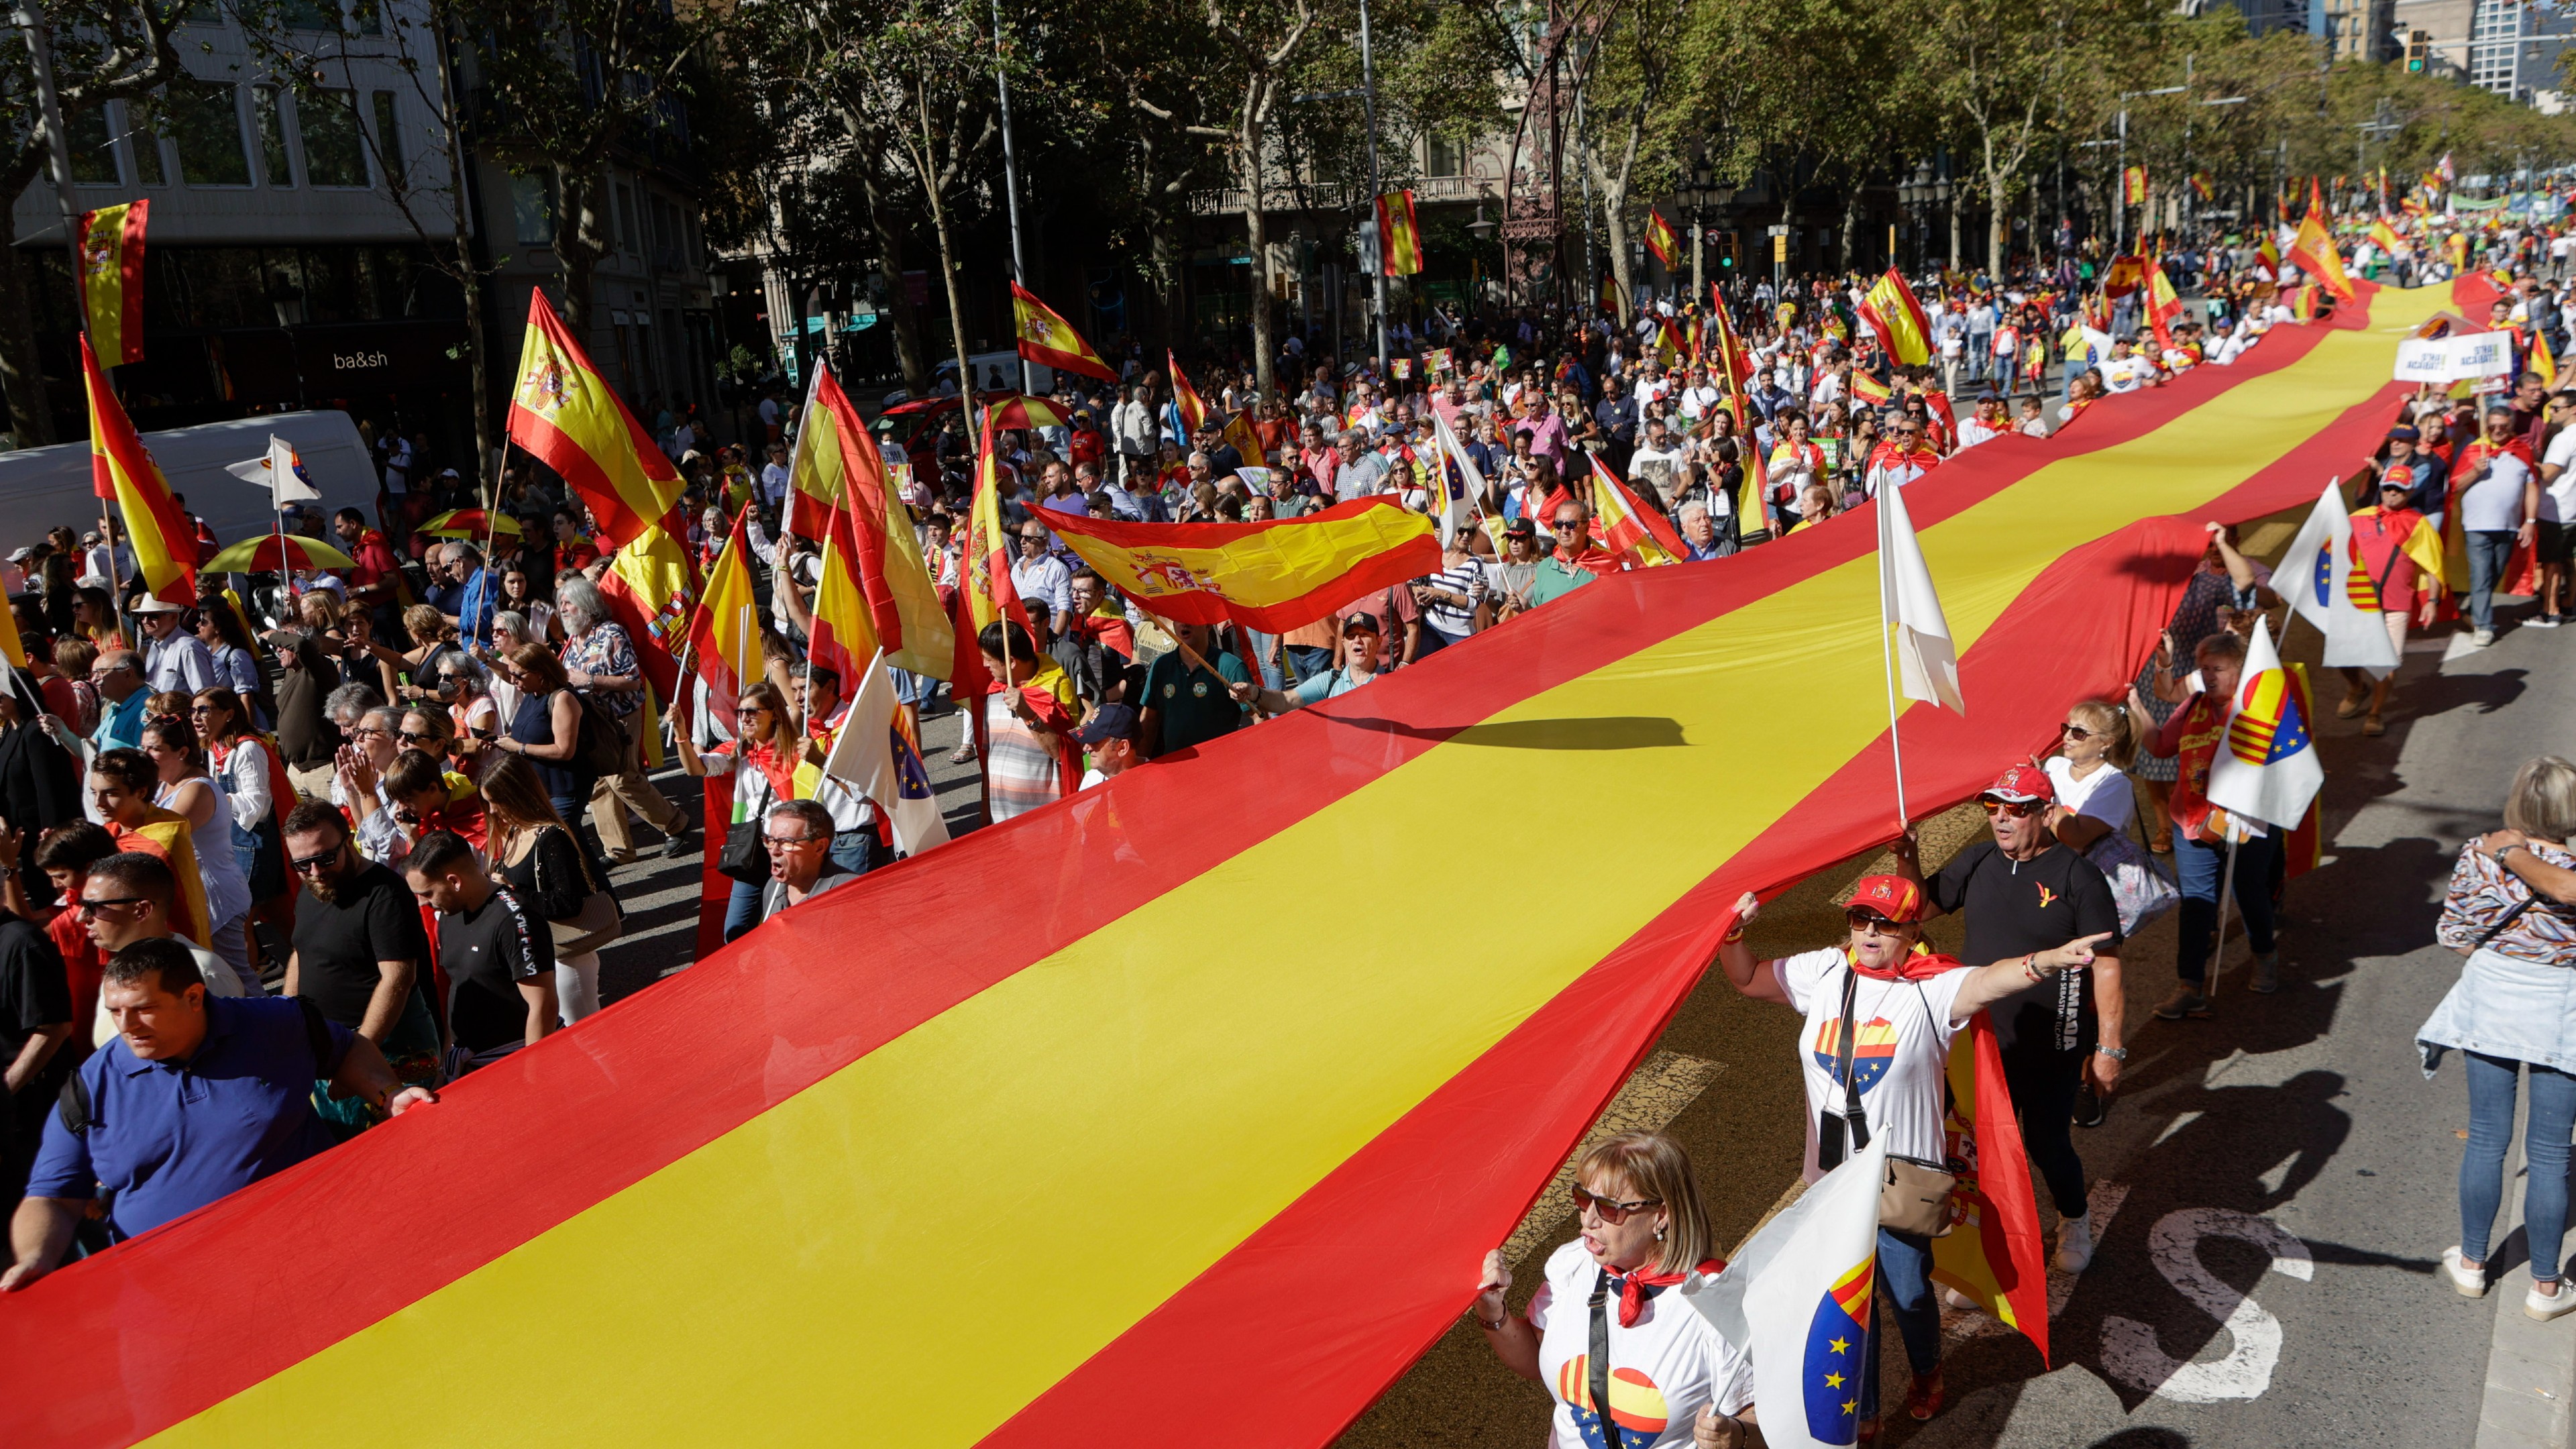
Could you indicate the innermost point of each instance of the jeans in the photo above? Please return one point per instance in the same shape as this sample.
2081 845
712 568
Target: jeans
1265 648
2492 1083
2197 867
1905 1282
2489 553
859 851
1305 661
1433 639
1981 351
742 910
2042 1081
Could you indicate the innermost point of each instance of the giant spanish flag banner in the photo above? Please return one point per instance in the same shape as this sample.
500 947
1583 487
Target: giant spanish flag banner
111 281
1274 576
711 1188
1049 339
165 543
566 414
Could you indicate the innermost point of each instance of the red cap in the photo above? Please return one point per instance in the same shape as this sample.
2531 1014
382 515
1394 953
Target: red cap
1892 896
2021 785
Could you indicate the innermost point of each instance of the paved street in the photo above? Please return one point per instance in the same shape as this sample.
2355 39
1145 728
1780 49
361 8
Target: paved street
2282 1169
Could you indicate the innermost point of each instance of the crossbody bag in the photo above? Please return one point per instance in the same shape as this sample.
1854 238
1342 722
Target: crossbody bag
1915 1197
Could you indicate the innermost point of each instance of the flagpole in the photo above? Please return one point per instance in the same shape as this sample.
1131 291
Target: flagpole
1887 662
2226 889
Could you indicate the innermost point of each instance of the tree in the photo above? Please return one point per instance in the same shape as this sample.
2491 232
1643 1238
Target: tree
557 89
1260 39
102 52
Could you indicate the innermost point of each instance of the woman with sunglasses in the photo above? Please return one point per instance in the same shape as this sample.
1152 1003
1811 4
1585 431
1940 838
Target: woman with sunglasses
1642 1230
426 728
238 665
189 790
1902 1010
764 740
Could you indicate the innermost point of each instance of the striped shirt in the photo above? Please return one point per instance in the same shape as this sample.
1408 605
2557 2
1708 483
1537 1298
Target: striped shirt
1019 767
1465 578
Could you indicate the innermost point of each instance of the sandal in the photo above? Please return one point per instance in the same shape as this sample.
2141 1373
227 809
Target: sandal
2374 727
2351 706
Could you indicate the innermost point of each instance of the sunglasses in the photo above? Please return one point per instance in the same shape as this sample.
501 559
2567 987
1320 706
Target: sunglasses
92 908
2014 808
776 842
1569 523
1864 919
407 737
2075 732
1611 1210
316 862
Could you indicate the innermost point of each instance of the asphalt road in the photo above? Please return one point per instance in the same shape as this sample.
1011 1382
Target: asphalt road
2273 1187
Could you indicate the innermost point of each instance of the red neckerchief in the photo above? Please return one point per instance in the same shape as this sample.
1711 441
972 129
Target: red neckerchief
1921 966
1638 1286
780 772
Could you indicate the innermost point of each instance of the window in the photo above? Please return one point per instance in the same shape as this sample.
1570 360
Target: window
93 149
532 207
626 238
272 136
370 15
310 14
205 121
334 153
1445 157
389 147
145 146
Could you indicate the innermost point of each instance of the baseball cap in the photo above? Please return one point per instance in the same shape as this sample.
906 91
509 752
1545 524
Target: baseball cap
1892 896
1520 528
1109 722
2397 476
2020 785
1362 621
2404 433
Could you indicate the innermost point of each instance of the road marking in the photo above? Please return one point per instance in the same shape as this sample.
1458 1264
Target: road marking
2130 1351
1958 1325
2180 1121
1653 1095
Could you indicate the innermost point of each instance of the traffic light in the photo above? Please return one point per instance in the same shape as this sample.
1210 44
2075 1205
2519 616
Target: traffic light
2419 51
1724 242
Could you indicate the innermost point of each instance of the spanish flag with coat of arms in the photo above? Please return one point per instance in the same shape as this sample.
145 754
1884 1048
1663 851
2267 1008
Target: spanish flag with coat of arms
1271 576
1399 236
165 545
1659 237
566 414
1892 312
1050 340
111 253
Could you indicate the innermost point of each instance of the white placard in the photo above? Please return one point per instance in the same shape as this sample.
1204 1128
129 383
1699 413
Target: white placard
2423 359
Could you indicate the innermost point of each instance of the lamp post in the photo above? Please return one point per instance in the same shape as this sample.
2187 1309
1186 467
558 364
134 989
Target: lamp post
2120 180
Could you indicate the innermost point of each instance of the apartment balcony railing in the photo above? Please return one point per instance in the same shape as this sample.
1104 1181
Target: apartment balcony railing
1288 196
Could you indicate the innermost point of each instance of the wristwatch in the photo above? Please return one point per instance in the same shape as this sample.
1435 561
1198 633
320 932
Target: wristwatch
2117 1054
2497 855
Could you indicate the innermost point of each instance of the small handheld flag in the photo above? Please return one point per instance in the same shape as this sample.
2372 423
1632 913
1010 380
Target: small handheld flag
1892 312
878 755
2328 586
1928 662
2315 251
165 546
280 470
1659 237
1194 409
2267 767
111 281
1050 340
2133 185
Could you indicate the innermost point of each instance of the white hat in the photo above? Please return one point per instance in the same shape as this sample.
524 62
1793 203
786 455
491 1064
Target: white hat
151 604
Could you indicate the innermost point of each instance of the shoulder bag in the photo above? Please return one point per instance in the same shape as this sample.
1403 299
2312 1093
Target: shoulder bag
595 925
1915 1198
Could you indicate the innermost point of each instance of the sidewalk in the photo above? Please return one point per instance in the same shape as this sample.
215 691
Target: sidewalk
2531 1366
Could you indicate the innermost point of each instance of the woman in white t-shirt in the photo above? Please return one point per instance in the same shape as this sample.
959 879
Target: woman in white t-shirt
1905 1008
1669 1376
2089 773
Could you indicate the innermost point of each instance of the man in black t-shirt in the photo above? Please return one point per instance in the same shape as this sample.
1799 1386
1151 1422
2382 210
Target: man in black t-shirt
2023 891
359 946
498 955
35 1021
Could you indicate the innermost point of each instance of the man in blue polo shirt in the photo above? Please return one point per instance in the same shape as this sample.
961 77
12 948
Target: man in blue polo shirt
196 1097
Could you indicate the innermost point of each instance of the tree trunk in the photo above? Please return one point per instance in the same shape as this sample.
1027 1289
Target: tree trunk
577 246
1165 253
908 356
947 266
1850 232
1256 234
31 417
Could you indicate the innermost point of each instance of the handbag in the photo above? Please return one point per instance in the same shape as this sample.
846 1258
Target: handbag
2139 890
1915 1198
594 925
744 859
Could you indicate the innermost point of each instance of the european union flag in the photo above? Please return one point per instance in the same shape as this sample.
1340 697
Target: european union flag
1837 1350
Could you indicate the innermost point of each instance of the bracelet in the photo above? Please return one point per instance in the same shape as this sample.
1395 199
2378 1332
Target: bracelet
2117 1054
1732 937
1494 1327
2498 854
2029 966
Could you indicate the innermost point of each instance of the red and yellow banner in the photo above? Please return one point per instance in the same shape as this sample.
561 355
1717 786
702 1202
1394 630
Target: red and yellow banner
1659 237
165 544
724 629
2315 252
1072 1035
1642 537
1399 238
875 591
650 588
1273 576
1049 339
2133 185
1194 409
1902 329
986 590
566 414
111 281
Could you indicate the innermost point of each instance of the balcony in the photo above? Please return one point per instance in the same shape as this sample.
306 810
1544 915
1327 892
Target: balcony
1340 195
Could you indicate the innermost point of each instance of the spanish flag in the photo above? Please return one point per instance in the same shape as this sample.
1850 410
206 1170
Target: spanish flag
165 545
1194 409
987 591
724 629
2267 257
1399 239
2133 185
111 252
1273 577
876 590
2200 186
1659 237
1866 387
2384 236
2123 275
1049 339
650 588
1641 537
1610 299
2315 251
1890 309
2541 362
566 414
1994 1253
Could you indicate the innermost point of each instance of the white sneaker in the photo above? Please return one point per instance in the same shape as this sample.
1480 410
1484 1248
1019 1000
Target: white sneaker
2482 638
1958 1300
2548 1306
2075 1244
2471 1282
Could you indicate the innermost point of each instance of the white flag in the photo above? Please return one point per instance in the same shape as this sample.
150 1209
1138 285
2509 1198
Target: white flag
281 472
1797 1297
1928 663
878 758
2266 767
2327 584
1453 502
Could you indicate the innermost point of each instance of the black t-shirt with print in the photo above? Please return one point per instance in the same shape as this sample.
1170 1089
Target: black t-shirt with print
2035 905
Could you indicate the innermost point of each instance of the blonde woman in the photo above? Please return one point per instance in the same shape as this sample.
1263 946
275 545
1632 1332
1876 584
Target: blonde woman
1642 1230
2095 803
2513 1009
